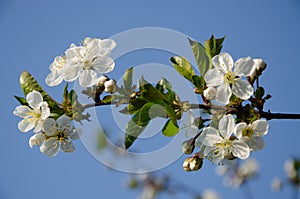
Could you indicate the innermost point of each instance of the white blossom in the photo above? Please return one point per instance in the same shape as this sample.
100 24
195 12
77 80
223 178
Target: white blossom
34 114
210 194
58 135
85 62
230 81
252 133
219 143
188 124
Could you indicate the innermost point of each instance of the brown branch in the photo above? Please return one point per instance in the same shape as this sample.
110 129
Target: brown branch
267 115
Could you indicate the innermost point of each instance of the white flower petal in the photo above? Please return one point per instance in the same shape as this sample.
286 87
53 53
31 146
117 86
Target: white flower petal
34 99
50 147
242 89
240 149
239 129
53 79
108 43
226 126
244 66
223 61
256 143
223 93
45 110
67 146
38 126
88 78
22 111
49 126
63 122
71 72
104 64
260 127
211 136
26 124
36 139
73 133
214 77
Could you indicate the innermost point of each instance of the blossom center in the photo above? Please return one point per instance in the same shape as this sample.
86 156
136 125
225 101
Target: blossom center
230 77
35 114
224 145
247 132
87 65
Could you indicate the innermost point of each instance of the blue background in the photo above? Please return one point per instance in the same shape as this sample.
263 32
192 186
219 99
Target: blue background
34 32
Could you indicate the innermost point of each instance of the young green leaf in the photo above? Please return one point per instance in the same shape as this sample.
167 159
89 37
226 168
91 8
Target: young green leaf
183 66
202 58
213 46
21 100
127 80
170 129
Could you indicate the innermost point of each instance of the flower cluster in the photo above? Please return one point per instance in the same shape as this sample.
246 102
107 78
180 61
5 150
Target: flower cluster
51 134
229 140
83 62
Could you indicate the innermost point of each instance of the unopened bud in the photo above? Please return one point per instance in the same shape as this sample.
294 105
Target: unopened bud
192 163
260 65
210 93
188 146
110 86
102 80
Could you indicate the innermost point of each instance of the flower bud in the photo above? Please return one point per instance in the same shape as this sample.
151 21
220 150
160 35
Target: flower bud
110 86
192 163
210 93
188 146
102 80
260 65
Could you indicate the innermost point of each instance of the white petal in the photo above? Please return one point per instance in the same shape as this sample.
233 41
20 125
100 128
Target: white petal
240 149
226 126
257 143
36 139
63 122
50 147
38 126
88 78
34 99
244 66
73 133
67 146
104 64
108 43
239 129
71 72
45 110
223 61
49 126
53 79
22 111
223 93
26 124
260 127
211 136
242 89
214 77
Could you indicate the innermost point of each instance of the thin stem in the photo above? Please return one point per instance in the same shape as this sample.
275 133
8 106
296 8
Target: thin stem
267 115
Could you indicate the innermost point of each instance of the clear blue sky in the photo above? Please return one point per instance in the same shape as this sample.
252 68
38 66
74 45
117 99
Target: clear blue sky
34 32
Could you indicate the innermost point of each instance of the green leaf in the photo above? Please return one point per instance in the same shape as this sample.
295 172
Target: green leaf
202 58
183 66
21 100
137 124
28 84
259 93
199 83
170 129
213 46
150 93
127 80
107 99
